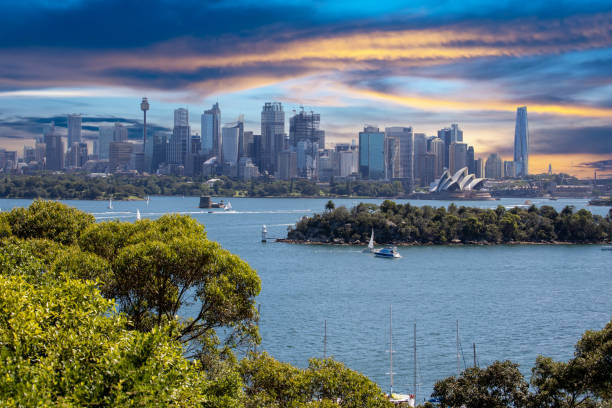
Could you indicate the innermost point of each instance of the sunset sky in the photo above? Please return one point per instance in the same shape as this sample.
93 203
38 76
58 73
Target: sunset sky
385 63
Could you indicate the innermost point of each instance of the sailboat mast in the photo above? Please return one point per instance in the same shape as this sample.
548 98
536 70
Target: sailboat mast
458 368
325 340
475 365
415 365
391 345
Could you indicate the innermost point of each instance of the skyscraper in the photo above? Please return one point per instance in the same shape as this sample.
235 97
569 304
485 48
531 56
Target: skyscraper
74 129
211 131
404 166
105 137
179 147
54 153
450 135
436 147
494 167
420 150
372 154
230 143
306 137
457 154
272 135
521 142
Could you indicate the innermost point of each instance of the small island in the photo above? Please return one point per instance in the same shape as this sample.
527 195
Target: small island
405 224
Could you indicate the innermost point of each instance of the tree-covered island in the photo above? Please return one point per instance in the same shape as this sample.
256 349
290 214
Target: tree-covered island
405 224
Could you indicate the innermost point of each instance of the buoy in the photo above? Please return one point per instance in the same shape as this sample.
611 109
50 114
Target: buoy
264 234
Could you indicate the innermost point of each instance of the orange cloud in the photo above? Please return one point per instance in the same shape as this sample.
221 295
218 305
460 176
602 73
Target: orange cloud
566 163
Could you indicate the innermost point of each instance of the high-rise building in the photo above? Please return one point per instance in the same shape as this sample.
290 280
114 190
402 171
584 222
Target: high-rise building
452 134
457 155
77 155
29 154
272 135
494 167
510 169
179 147
420 150
160 150
211 131
306 138
105 137
436 147
74 129
403 154
120 155
230 142
479 168
372 154
54 149
471 160
287 165
120 133
521 142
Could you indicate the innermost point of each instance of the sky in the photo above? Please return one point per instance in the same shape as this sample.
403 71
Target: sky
424 64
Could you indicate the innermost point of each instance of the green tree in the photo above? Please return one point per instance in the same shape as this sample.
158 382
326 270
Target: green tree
499 385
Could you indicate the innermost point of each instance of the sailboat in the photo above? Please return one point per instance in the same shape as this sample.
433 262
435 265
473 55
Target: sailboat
138 214
227 206
394 398
370 247
148 199
110 203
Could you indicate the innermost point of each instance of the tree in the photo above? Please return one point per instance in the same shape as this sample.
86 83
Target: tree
161 266
62 344
499 385
48 219
585 380
329 206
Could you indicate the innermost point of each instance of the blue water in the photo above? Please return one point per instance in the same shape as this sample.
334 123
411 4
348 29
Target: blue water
514 302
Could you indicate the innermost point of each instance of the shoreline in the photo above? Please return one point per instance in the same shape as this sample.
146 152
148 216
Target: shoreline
417 244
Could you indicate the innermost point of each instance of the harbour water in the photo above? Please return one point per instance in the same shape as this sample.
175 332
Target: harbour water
514 302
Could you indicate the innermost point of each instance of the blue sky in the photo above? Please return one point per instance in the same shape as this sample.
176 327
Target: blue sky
424 64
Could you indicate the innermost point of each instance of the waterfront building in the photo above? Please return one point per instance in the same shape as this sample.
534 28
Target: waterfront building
494 167
457 155
521 142
179 147
230 140
246 169
54 149
74 129
372 154
272 135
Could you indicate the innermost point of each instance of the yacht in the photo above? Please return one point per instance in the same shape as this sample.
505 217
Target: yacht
370 247
110 203
227 206
388 252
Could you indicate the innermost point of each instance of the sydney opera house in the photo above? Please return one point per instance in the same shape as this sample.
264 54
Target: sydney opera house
460 185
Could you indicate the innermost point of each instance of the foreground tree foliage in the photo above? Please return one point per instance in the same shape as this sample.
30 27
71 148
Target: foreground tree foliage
89 316
583 381
405 223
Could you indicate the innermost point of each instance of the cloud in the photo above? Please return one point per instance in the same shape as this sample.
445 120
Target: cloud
601 165
591 140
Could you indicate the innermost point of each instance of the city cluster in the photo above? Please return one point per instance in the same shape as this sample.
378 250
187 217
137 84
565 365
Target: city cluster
395 153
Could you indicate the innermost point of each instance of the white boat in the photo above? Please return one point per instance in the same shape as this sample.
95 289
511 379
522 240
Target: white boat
387 252
137 214
370 247
110 203
148 199
227 206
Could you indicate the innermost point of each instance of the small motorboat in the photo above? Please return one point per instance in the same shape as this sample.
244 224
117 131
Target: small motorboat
387 252
228 206
606 248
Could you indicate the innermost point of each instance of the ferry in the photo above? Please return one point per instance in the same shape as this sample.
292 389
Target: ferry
388 252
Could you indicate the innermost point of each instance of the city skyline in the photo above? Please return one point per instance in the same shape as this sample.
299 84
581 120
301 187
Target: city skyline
424 66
